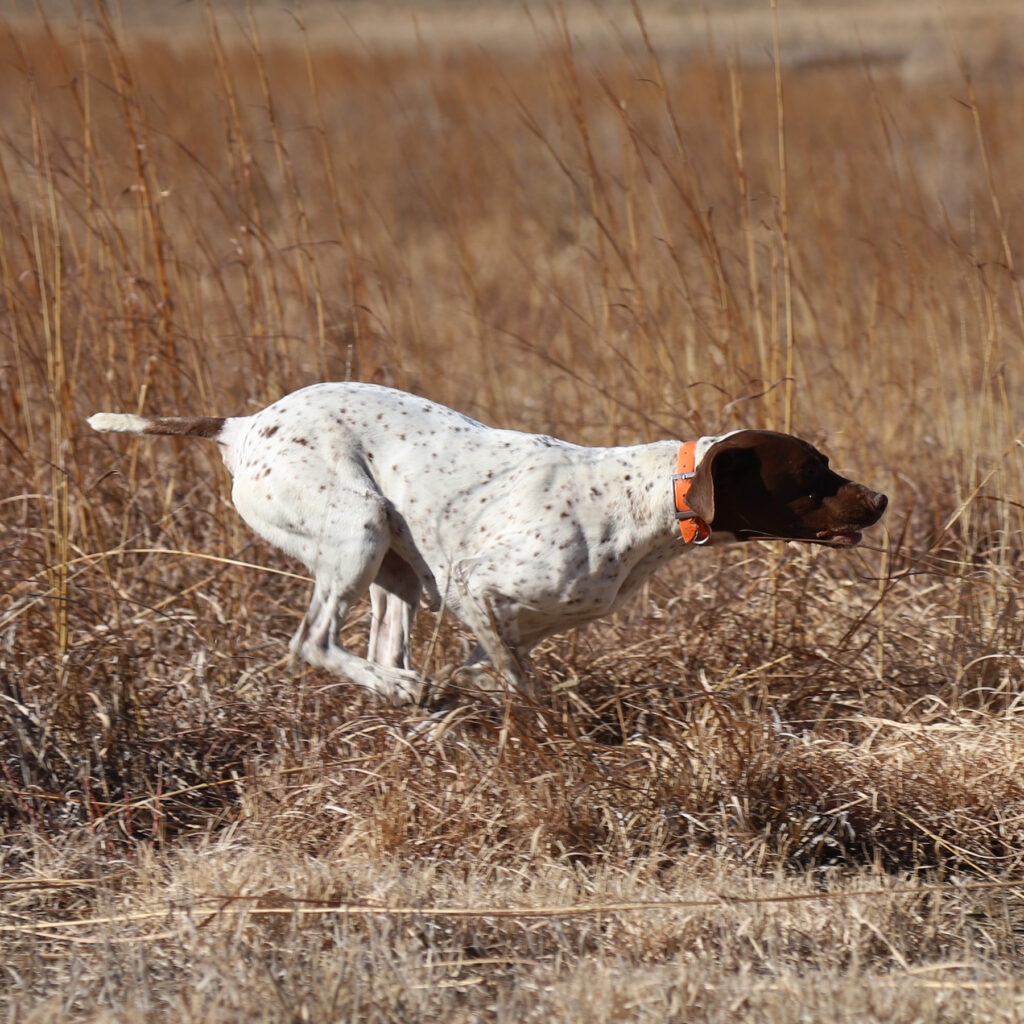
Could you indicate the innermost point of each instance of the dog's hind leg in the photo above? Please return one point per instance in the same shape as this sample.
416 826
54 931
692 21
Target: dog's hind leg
394 597
344 571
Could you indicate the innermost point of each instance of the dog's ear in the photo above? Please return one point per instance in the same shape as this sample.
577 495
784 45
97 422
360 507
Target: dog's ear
728 461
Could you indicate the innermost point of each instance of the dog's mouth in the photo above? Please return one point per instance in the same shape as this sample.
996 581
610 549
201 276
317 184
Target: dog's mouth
839 538
847 538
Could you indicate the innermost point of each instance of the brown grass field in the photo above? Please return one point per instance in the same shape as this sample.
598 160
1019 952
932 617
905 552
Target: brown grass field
782 785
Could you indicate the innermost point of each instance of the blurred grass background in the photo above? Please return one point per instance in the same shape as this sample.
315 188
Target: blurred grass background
609 223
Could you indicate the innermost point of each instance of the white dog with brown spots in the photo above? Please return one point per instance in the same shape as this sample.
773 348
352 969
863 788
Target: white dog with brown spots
517 535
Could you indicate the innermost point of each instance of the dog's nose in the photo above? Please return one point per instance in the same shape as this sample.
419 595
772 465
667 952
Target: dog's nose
878 502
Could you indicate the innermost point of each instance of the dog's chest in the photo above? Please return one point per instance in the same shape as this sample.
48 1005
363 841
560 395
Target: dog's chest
566 532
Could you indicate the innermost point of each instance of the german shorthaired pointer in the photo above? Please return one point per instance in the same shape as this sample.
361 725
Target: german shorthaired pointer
518 535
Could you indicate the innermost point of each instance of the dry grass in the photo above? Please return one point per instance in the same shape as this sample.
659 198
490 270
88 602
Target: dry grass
782 785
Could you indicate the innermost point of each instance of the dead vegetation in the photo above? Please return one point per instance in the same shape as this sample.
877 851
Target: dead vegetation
784 784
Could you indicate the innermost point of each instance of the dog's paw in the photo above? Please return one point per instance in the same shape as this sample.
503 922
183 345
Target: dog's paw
405 687
479 678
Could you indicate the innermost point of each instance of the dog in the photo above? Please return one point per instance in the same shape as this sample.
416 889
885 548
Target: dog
519 536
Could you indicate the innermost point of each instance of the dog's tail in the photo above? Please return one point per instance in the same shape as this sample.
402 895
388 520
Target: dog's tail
183 426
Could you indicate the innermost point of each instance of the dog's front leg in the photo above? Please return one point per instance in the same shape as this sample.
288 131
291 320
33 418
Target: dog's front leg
492 617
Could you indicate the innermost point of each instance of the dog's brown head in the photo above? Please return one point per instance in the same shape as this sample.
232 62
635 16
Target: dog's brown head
759 484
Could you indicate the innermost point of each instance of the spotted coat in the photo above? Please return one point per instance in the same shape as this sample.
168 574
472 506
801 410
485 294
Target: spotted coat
518 535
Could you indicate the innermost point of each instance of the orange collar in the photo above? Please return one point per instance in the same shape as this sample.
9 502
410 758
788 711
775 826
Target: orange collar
691 526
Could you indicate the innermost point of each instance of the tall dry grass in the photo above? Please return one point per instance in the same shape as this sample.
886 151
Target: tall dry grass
778 764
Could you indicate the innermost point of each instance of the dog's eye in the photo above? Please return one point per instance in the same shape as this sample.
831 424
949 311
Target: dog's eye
807 503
